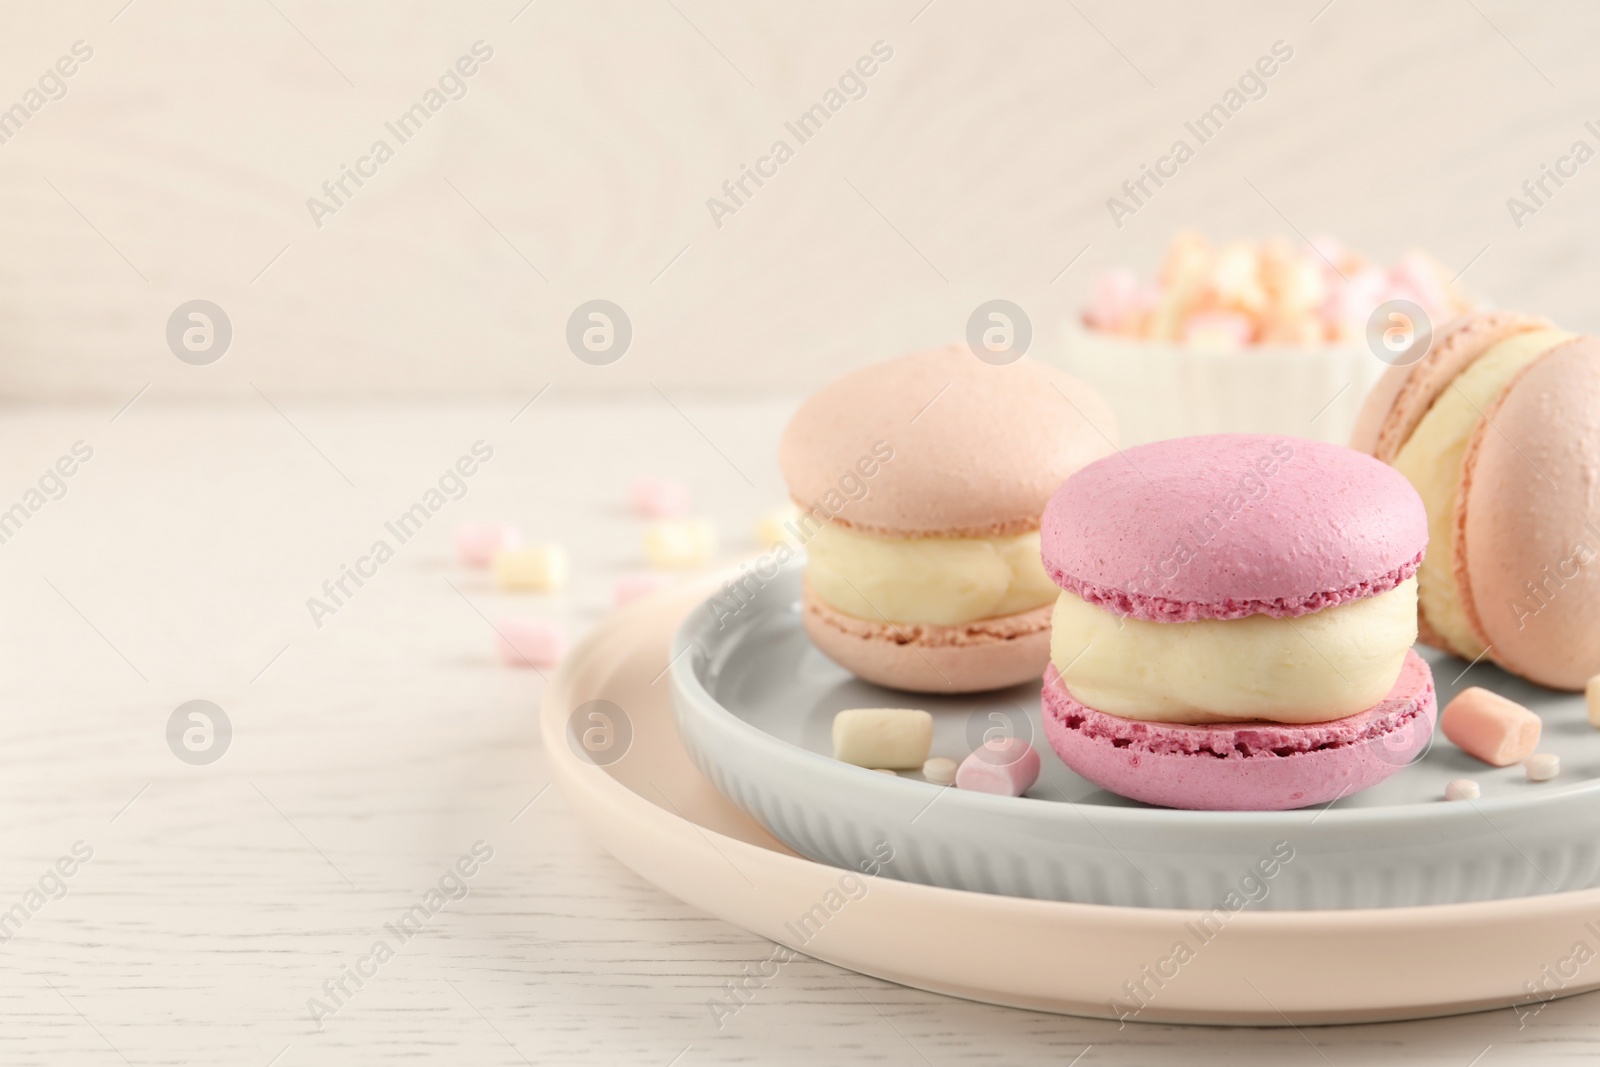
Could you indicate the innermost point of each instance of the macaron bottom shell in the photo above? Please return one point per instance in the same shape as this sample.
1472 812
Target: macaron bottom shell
921 658
1253 766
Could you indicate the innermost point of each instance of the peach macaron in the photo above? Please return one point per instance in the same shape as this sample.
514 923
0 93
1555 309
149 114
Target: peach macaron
920 482
1497 425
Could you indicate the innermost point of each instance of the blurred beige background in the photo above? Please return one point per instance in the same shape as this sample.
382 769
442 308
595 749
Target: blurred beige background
579 162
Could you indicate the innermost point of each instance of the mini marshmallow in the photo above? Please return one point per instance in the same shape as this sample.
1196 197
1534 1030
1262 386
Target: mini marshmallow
772 527
1218 331
1298 286
1304 329
1287 296
940 771
1542 766
882 738
680 544
637 584
1115 302
1487 725
1187 261
538 567
1328 248
1591 696
477 542
1462 789
1007 766
1350 305
1419 278
1236 280
527 642
659 498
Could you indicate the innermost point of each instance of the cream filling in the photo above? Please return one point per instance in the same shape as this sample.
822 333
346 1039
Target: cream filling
1311 668
1432 460
941 581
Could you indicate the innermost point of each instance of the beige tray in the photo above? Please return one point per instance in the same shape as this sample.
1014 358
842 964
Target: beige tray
655 812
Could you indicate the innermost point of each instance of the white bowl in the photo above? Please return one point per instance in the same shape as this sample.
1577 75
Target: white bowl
1161 389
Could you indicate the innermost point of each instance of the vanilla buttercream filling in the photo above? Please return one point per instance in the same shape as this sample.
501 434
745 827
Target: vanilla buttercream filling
1309 668
1432 459
939 581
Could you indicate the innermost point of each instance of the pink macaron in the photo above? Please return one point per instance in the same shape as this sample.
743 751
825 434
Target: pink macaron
920 481
1237 544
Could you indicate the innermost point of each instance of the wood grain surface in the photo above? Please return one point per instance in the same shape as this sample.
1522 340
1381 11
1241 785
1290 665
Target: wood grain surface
368 755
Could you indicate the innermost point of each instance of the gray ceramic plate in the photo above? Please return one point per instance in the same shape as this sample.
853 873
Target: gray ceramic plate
755 700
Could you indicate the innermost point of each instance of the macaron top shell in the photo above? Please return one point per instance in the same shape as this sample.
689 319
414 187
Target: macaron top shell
1230 525
1404 392
977 448
1528 520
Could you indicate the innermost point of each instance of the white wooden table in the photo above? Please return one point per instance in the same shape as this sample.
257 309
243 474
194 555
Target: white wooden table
369 754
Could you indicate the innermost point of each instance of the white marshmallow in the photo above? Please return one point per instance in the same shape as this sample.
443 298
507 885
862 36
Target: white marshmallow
1542 766
889 738
940 771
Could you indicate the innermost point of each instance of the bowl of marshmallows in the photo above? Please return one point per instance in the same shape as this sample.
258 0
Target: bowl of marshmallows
1251 337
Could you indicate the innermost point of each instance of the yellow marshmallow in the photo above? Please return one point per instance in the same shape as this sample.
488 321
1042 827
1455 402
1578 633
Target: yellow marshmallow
890 738
772 527
680 544
540 568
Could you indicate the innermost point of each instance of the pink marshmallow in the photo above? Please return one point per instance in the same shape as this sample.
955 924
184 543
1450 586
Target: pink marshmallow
637 584
1006 766
1327 248
1116 298
1220 330
1349 304
659 498
1487 725
477 542
1415 278
525 642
